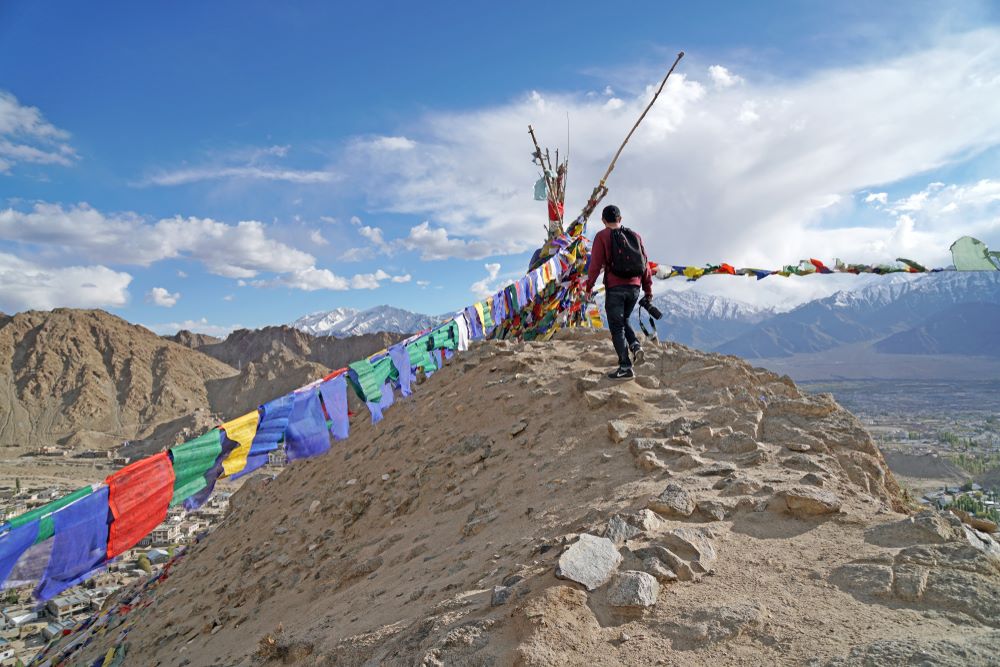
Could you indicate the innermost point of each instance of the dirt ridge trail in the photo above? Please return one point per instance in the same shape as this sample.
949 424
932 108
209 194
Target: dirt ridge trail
521 509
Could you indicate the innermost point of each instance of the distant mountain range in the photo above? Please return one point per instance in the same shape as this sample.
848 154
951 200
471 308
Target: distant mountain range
873 313
344 322
951 313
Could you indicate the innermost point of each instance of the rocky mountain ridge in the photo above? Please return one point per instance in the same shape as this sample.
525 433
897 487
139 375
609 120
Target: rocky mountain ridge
707 513
87 379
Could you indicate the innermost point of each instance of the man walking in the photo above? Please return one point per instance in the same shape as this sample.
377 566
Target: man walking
619 253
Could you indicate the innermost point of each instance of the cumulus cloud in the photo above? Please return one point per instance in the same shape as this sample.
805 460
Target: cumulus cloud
877 198
159 296
316 237
201 326
756 174
239 250
722 77
25 285
487 286
435 243
312 279
25 136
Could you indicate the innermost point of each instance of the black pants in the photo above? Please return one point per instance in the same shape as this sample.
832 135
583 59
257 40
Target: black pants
618 304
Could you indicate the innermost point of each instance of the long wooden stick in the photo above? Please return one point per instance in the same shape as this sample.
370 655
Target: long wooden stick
644 112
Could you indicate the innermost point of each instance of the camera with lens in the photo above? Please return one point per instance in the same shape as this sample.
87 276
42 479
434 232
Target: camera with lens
653 311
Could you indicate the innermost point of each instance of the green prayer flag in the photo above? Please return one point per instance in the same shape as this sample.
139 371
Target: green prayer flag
192 460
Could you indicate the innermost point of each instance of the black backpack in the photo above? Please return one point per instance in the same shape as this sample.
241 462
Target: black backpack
627 259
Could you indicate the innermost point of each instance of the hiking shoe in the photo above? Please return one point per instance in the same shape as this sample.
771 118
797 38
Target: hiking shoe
638 356
622 374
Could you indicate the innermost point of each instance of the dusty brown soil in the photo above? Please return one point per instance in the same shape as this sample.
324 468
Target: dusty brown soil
390 550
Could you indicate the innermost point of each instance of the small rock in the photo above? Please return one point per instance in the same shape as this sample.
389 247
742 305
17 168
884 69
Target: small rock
737 485
500 595
693 545
661 572
280 530
719 469
648 381
673 501
313 506
647 461
805 501
350 482
596 398
713 509
985 525
518 428
585 384
813 479
669 559
617 430
803 462
798 446
385 477
633 589
618 531
605 457
590 561
645 520
624 637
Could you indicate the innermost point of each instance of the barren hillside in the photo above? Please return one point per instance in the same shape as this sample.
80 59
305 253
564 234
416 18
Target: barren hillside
521 510
90 374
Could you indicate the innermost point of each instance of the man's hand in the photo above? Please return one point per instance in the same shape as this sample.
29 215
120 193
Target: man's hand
588 297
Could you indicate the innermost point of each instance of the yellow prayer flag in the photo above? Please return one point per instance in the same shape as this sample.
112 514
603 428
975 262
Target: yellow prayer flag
241 430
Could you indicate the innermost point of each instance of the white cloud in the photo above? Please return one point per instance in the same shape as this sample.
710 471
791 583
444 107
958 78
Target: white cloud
25 285
423 283
878 198
239 250
393 144
722 77
437 244
201 326
317 238
699 186
181 274
247 164
229 297
196 174
26 137
487 286
160 296
312 279
374 236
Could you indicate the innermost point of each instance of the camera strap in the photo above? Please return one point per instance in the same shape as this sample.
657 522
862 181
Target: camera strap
652 323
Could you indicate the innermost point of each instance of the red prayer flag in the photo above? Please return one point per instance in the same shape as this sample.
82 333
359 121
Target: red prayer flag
138 495
820 266
556 213
726 268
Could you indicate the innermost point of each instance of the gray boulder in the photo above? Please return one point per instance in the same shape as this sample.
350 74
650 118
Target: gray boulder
590 561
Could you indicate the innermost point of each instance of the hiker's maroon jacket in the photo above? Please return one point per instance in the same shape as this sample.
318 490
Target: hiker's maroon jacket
600 258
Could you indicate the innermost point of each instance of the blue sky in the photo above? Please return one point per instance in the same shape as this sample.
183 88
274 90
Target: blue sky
245 163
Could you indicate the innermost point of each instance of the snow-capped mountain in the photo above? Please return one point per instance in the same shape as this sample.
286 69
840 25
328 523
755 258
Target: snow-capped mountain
702 320
881 309
342 322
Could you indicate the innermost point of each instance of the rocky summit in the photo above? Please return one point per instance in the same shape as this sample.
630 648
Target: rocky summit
520 509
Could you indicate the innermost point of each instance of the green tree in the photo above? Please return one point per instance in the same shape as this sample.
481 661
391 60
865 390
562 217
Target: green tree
144 564
12 597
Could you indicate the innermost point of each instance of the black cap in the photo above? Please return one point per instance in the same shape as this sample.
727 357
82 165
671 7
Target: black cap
611 214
